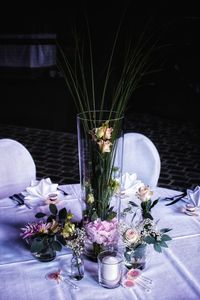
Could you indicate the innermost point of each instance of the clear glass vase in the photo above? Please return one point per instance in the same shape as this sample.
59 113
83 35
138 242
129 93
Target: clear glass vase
47 253
77 266
136 258
100 145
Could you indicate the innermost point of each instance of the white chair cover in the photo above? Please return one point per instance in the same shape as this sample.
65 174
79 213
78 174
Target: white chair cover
17 168
140 156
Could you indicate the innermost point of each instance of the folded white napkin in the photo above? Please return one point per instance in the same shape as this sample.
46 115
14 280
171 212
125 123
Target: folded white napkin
193 196
39 191
130 184
17 168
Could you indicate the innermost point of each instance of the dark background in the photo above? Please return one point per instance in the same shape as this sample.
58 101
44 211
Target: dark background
36 98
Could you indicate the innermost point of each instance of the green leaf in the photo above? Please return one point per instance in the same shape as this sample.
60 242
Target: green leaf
148 205
127 209
140 246
57 246
176 200
53 209
166 237
163 230
115 169
50 218
139 251
94 216
62 214
154 203
149 240
133 203
111 215
111 208
143 205
61 239
147 215
157 247
40 215
163 244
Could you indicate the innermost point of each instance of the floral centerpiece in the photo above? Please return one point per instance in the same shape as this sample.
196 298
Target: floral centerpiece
47 236
101 105
136 235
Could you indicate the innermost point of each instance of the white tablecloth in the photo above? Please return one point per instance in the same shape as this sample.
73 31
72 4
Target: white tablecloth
175 272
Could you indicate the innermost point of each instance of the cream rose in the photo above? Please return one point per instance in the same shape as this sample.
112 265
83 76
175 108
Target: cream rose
144 193
108 133
104 146
131 235
100 132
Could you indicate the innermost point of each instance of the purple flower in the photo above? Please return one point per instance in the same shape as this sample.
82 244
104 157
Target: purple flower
31 229
103 232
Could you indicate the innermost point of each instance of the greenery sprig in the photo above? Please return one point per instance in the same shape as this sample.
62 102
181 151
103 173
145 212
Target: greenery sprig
53 230
145 231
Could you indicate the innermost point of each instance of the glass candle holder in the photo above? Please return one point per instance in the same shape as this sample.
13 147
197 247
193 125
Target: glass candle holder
110 269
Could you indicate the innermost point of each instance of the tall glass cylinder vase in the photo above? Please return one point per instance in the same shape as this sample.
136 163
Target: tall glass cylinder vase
100 144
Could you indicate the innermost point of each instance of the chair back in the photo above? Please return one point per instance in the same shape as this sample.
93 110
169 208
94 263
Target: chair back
141 156
17 168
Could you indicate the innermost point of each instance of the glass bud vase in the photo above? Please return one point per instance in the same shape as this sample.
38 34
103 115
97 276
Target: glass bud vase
77 266
100 145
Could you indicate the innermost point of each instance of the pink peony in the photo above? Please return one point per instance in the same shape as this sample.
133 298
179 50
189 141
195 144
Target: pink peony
102 232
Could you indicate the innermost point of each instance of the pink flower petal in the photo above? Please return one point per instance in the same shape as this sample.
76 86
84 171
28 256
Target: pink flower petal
128 283
133 273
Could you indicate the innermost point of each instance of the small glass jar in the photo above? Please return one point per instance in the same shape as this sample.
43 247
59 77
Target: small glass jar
77 266
48 253
110 269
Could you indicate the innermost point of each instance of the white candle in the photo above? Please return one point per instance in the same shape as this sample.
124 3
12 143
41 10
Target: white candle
110 268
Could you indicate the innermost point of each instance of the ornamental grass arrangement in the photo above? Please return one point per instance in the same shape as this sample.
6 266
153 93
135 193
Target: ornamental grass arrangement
101 98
